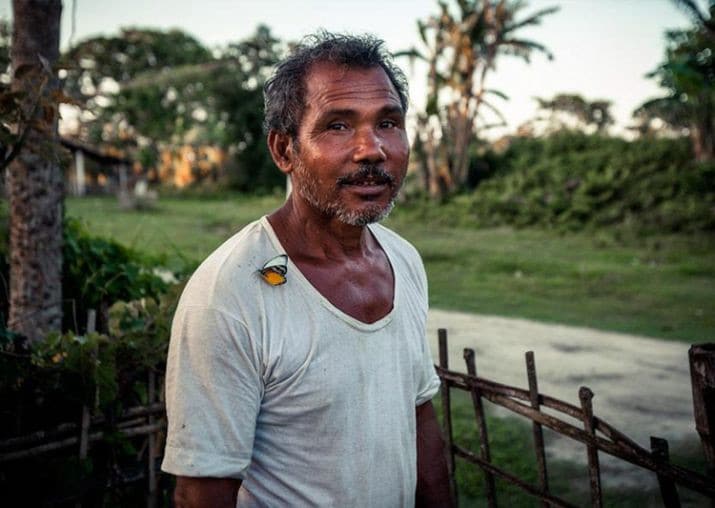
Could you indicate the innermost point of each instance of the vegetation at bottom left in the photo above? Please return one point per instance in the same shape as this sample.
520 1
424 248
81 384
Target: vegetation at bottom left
47 385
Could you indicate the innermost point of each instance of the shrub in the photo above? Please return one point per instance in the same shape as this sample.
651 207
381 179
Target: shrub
573 180
98 272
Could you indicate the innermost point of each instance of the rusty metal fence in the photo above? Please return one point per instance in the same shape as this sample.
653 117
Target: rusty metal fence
595 434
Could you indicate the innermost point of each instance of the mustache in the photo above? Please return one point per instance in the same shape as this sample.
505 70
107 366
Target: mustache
367 172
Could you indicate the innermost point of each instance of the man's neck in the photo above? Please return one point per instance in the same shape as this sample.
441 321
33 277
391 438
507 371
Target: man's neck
306 233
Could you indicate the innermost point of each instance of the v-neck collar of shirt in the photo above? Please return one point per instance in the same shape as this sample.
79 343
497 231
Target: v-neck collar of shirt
295 274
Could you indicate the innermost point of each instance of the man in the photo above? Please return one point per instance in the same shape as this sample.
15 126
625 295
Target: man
298 370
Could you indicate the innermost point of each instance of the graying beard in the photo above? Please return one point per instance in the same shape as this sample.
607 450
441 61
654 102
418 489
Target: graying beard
307 191
366 217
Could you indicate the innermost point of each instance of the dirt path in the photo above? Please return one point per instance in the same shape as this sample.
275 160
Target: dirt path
641 385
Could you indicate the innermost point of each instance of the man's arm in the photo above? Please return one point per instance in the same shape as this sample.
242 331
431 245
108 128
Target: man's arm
433 489
205 492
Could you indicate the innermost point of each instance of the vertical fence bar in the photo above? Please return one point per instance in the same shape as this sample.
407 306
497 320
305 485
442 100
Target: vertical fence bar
151 448
668 489
702 379
482 423
594 471
447 410
86 410
536 427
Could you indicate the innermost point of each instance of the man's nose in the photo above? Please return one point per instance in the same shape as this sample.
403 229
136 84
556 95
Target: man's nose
369 147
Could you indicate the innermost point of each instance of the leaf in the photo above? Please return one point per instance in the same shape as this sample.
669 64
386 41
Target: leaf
412 53
498 93
422 29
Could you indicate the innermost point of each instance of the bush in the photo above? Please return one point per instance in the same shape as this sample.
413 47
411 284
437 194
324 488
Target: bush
573 180
97 272
46 384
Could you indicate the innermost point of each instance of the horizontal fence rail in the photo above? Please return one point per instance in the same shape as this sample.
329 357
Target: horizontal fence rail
131 423
146 422
596 434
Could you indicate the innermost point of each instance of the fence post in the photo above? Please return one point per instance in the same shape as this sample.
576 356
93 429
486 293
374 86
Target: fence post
668 489
536 427
702 379
151 447
482 423
447 411
86 410
585 395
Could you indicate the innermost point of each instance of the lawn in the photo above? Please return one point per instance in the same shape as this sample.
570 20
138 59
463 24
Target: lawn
658 286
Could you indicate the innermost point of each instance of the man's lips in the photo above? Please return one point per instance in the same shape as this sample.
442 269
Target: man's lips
367 188
367 176
367 182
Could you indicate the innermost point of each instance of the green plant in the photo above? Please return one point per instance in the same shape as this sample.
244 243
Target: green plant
98 272
46 384
571 181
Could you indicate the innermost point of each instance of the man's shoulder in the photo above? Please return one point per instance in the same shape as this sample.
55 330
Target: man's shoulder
233 268
239 252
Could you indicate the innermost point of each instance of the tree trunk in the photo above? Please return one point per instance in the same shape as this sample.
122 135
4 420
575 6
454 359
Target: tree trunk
34 179
702 131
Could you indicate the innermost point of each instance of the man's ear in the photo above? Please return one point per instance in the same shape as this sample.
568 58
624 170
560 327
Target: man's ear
281 147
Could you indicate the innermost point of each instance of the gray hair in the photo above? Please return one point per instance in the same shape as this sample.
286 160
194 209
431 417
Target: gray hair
284 92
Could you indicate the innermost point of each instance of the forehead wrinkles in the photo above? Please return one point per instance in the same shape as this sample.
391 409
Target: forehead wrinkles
330 83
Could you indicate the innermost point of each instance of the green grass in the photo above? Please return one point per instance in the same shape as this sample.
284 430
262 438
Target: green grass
658 286
183 230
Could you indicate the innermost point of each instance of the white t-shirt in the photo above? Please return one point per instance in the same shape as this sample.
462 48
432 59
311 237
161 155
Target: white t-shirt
278 387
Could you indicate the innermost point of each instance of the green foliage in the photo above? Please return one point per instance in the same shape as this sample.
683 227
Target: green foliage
151 90
688 75
58 375
142 327
594 114
80 366
573 181
126 56
98 272
47 383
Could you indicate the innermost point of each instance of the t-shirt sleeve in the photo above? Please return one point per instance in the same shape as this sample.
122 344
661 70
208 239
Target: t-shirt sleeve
214 389
429 382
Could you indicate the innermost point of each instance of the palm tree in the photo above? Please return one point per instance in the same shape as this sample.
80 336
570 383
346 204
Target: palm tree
34 179
701 19
571 110
688 73
461 50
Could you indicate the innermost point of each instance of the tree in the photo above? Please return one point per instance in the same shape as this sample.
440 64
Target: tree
573 111
173 91
703 20
130 85
688 73
462 49
34 179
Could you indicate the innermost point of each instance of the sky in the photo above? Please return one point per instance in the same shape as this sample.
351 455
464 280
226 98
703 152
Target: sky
602 48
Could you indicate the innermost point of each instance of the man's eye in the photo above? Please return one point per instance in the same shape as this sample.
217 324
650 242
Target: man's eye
388 124
337 126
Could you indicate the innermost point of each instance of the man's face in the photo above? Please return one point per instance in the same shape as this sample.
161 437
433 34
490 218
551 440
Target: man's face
352 151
